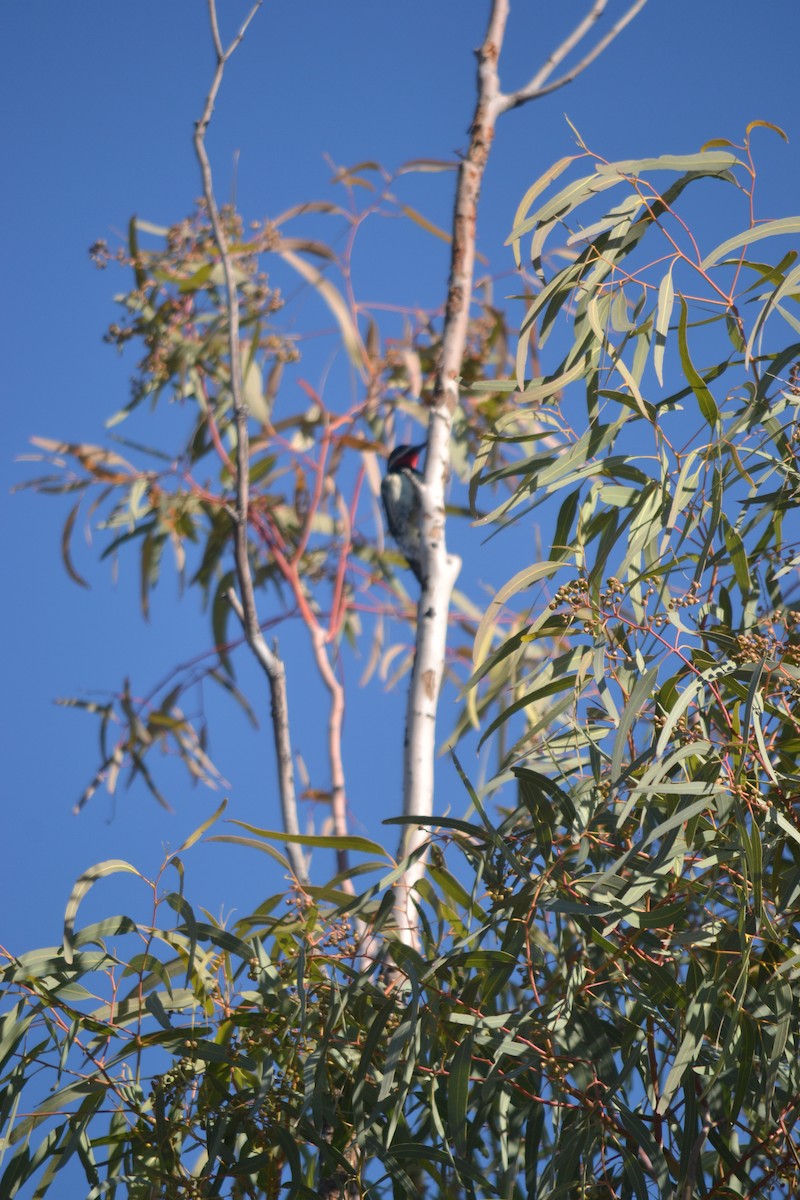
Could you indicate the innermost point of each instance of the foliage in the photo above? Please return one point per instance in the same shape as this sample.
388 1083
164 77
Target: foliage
605 1000
544 1042
665 728
678 644
315 532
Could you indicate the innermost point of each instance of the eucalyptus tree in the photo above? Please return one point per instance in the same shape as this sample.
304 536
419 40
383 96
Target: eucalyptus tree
585 986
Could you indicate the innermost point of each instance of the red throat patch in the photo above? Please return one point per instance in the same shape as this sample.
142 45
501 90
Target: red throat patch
410 458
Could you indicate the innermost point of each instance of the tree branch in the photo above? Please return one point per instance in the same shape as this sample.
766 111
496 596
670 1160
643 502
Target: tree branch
335 726
538 85
440 569
276 674
245 608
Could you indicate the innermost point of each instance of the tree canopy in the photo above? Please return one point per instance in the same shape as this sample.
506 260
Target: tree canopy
576 976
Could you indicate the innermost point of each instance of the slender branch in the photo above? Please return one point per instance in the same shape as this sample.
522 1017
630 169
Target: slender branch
567 46
538 85
314 502
224 55
234 348
245 608
335 726
276 674
690 1179
347 516
319 639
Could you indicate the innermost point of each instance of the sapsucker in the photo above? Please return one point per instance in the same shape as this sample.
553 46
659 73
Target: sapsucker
402 503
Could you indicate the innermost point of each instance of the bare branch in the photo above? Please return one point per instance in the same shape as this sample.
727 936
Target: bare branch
276 674
245 608
251 624
212 16
440 569
567 46
224 55
538 85
335 726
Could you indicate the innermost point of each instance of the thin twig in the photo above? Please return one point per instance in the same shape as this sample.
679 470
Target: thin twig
538 85
347 516
568 45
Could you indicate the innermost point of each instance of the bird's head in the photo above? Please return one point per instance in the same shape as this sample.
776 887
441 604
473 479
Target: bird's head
404 456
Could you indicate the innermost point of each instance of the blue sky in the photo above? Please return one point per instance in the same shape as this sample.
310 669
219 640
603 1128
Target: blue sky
100 101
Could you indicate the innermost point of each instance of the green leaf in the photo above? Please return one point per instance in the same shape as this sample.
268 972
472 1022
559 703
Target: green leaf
110 866
788 286
66 538
458 1094
642 692
551 688
778 228
705 400
698 1015
253 393
336 303
738 557
666 299
523 579
201 829
499 842
253 844
706 162
357 844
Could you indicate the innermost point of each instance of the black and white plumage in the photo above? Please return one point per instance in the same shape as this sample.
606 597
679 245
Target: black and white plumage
402 503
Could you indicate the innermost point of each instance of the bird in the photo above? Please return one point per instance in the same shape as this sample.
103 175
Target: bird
402 503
